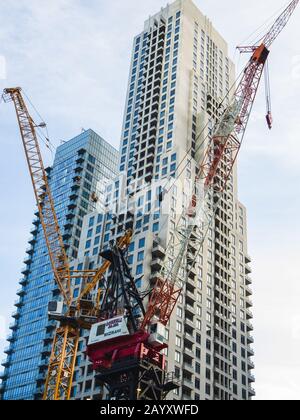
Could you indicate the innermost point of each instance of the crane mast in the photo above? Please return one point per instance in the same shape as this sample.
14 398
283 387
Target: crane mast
44 200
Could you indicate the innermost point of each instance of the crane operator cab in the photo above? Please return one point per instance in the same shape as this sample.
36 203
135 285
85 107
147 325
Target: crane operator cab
108 330
116 328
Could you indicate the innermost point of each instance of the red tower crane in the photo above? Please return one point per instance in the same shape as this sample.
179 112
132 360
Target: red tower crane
110 356
222 150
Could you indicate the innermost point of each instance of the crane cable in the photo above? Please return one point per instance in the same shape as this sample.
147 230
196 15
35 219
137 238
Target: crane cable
187 155
262 28
44 138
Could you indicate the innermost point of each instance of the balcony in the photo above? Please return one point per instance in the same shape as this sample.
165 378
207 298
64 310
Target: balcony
251 378
248 281
16 315
79 169
39 392
8 350
44 363
11 338
72 205
249 327
191 295
47 350
51 325
250 339
30 250
25 271
191 272
36 222
28 260
190 311
34 231
41 378
80 161
13 326
248 270
189 339
158 251
48 337
81 152
188 382
251 365
252 393
19 303
156 265
190 323
71 214
21 292
5 362
32 240
250 351
190 284
76 187
189 367
249 314
248 259
3 376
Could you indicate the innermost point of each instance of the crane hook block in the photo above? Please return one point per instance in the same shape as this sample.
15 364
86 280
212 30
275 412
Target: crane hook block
269 119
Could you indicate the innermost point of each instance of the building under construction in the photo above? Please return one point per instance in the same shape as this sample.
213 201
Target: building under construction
158 289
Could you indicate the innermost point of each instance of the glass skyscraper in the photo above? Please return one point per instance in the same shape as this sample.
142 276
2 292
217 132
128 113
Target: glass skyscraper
80 171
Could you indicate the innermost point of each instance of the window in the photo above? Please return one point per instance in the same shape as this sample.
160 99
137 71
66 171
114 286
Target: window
177 357
179 312
207 389
178 326
139 269
142 243
155 227
178 341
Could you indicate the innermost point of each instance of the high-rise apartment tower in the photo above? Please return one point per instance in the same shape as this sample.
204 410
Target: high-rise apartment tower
180 78
81 169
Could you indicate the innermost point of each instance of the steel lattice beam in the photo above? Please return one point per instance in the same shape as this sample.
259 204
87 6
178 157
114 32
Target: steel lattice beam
62 363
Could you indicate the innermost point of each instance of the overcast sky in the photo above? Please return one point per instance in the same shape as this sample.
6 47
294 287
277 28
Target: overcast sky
72 58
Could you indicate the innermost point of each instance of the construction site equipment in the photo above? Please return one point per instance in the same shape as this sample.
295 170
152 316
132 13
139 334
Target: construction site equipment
131 365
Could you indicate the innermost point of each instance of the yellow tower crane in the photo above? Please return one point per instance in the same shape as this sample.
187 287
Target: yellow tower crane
83 311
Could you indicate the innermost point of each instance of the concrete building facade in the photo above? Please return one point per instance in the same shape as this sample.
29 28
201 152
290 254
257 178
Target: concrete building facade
180 74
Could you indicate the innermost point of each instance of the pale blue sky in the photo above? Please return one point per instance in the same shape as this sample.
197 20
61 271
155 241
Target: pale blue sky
72 58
